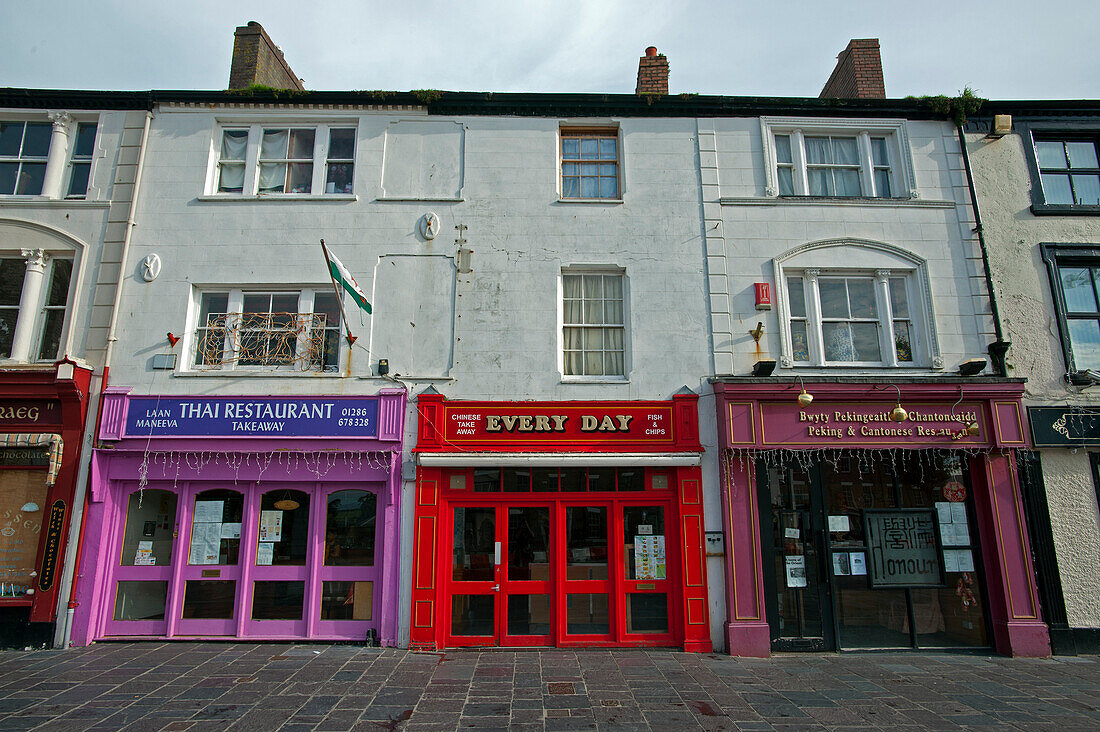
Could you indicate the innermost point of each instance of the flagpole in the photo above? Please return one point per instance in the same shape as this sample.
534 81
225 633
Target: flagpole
339 294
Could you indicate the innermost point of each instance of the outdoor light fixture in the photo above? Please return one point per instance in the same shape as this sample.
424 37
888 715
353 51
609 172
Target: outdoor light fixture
899 414
971 428
383 366
763 367
804 397
286 503
972 366
30 507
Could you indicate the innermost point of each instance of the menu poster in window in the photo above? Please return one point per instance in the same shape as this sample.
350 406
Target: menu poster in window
271 525
859 563
796 571
649 557
265 553
144 556
208 512
902 546
205 543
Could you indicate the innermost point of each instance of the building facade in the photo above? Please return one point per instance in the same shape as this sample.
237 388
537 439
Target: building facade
1035 172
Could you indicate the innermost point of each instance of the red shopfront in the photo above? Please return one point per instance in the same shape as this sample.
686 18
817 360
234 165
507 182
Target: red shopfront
42 412
869 515
559 524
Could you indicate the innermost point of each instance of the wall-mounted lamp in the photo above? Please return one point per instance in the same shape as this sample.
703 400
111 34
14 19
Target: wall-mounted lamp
1002 125
972 366
383 366
971 428
804 397
763 367
898 414
65 370
757 332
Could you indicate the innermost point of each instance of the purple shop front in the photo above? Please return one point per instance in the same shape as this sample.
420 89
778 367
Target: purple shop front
250 517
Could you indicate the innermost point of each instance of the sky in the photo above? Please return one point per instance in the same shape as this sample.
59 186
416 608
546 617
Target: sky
1009 49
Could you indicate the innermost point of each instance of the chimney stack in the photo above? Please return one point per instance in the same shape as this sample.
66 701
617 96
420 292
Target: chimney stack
652 73
257 60
858 72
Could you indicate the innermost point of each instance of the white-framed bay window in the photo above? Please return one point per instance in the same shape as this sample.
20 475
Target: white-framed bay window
256 329
837 158
855 316
283 158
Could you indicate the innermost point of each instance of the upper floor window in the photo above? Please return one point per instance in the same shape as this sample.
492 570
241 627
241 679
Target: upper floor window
80 163
1069 170
593 325
590 163
837 159
1075 276
33 333
24 147
268 330
262 159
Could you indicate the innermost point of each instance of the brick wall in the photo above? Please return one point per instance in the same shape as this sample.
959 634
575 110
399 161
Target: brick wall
652 73
257 60
858 72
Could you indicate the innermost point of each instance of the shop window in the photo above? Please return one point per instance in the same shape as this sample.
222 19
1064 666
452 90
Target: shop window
283 528
587 614
586 542
278 600
141 600
24 147
209 599
350 529
593 325
44 322
563 480
216 527
265 160
528 615
590 164
150 524
837 159
23 507
1075 285
347 600
292 331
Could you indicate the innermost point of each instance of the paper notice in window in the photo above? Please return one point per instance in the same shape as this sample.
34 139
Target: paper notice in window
144 556
859 562
208 512
841 565
839 523
947 534
645 529
796 571
271 525
950 560
205 543
231 531
966 560
265 553
958 513
791 533
943 512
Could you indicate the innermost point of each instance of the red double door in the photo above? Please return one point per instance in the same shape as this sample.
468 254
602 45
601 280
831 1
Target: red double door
562 571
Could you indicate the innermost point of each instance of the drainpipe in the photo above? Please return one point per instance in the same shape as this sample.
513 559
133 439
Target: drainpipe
80 499
998 348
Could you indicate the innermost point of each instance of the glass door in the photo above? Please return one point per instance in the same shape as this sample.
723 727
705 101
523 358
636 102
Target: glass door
527 585
474 576
212 573
280 576
588 600
348 574
800 614
646 565
144 571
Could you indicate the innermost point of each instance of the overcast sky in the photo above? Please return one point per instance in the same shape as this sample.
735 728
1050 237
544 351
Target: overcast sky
1007 49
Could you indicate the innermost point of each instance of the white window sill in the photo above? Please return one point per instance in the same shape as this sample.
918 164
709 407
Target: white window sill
833 201
13 201
425 199
314 197
595 380
591 200
907 370
229 373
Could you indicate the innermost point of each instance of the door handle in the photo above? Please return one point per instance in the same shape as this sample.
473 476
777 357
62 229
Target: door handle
496 588
496 553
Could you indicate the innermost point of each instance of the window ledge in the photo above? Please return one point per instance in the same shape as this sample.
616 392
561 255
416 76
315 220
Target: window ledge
259 374
857 369
39 201
595 380
612 201
833 201
312 197
398 378
426 199
1061 209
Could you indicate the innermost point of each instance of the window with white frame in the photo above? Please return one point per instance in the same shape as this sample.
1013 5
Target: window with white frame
264 159
850 318
34 333
837 159
295 330
80 162
24 147
593 324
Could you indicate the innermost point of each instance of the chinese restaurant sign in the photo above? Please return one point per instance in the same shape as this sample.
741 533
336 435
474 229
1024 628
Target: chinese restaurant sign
838 425
252 417
902 547
575 423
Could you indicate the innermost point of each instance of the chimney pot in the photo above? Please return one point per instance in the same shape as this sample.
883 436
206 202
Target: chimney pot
652 73
651 51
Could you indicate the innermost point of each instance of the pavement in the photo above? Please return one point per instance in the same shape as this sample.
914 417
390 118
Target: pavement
250 686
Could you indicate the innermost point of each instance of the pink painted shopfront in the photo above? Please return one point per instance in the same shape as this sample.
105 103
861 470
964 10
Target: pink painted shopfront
248 517
867 514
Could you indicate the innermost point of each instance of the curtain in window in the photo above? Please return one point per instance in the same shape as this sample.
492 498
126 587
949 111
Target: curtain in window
273 147
573 338
233 148
613 358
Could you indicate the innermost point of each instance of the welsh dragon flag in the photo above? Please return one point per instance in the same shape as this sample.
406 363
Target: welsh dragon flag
341 274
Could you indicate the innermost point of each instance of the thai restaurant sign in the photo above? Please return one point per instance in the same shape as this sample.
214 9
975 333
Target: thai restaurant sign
573 423
837 424
252 417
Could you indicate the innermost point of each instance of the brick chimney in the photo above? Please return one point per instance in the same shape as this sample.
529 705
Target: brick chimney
257 60
858 72
652 73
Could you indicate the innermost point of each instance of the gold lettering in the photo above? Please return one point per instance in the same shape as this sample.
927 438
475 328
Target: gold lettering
525 423
542 423
589 423
492 423
509 421
559 422
624 421
607 425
